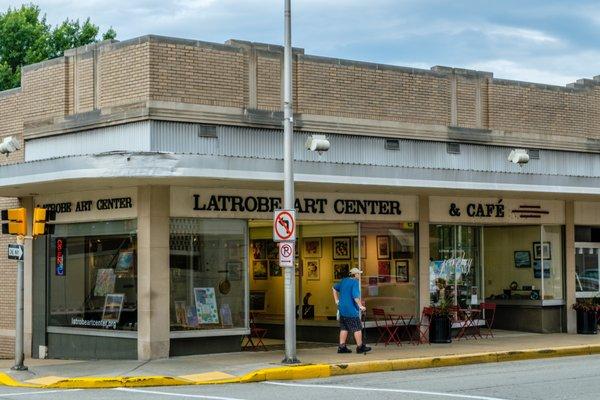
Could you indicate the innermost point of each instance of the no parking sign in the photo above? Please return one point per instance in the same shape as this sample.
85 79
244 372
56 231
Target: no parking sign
286 254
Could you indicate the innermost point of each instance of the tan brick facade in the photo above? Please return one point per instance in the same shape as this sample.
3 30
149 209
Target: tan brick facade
243 76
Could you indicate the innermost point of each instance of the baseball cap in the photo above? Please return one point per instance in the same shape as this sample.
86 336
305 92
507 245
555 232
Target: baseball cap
355 271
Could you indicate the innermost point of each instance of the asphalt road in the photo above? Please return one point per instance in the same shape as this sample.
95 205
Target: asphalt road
560 378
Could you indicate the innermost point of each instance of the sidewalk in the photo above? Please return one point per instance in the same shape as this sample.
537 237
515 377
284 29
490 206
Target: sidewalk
506 346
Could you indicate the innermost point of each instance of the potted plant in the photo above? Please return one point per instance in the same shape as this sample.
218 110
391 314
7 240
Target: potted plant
586 317
440 328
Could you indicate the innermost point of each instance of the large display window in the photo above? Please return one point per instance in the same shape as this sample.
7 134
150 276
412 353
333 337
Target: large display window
325 253
587 261
208 274
501 263
92 276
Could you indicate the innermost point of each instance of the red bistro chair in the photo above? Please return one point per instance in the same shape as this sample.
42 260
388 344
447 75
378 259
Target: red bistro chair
254 340
423 325
388 331
489 312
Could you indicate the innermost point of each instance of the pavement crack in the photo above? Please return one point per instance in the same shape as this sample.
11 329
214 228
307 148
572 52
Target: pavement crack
138 367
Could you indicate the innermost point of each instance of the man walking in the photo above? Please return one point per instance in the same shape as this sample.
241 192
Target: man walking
347 297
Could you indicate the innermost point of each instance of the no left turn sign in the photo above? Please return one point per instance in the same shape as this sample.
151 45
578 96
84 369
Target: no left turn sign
284 226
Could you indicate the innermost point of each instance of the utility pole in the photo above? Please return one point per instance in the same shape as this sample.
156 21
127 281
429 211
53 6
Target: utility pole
19 353
288 187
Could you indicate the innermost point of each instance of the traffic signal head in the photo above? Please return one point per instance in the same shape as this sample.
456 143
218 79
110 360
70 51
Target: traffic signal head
16 221
41 217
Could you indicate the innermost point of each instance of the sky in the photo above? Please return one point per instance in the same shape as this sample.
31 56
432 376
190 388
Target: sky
543 41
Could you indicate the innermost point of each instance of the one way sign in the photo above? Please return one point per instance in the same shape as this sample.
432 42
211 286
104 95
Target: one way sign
15 252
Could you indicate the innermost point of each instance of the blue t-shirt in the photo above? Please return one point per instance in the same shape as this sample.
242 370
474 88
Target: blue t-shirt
348 291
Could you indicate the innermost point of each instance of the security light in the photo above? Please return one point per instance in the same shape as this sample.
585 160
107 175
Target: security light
9 144
518 156
318 143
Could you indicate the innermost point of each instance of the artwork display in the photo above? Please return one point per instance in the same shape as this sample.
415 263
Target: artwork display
260 269
258 300
275 269
272 250
234 270
522 259
180 312
225 313
363 247
259 250
340 271
538 248
105 282
124 262
383 247
313 272
191 316
401 270
234 249
206 305
341 248
537 269
312 247
113 304
383 268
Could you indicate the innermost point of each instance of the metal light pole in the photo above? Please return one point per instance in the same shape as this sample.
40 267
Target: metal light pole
19 355
288 187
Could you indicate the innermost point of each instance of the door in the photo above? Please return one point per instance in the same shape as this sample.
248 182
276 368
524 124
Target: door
587 262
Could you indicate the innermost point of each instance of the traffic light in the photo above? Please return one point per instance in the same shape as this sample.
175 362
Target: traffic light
16 221
41 217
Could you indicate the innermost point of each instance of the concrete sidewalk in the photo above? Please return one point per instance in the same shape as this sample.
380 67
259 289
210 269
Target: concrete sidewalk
233 366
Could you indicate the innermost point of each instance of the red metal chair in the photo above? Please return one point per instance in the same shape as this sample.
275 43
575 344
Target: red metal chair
423 325
388 331
489 312
254 340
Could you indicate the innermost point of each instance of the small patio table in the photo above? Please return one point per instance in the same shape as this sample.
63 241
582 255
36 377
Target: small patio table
471 315
404 322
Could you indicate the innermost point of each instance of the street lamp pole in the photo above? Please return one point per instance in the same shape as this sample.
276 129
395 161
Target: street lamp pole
288 187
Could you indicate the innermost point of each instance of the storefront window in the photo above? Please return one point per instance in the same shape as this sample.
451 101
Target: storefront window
587 261
551 253
455 264
93 276
513 262
390 265
324 255
208 274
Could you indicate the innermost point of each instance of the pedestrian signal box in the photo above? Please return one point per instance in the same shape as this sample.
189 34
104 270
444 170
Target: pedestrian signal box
14 221
41 219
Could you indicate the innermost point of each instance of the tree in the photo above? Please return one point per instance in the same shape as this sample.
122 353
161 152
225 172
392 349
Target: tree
26 38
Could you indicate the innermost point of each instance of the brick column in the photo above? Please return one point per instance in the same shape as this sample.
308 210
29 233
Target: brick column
423 252
153 272
570 265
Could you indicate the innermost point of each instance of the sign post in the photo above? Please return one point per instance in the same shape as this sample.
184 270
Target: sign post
16 252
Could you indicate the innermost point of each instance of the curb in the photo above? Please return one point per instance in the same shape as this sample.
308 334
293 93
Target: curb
312 371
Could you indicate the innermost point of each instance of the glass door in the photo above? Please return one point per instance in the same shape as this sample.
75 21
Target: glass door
455 264
587 263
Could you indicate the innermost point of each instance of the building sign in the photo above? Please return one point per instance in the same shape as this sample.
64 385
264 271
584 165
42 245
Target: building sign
496 210
61 249
215 203
91 206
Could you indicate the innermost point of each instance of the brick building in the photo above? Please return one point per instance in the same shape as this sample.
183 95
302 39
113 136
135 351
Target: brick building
162 157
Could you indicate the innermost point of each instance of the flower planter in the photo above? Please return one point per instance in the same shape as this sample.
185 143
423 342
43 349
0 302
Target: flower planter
586 322
440 330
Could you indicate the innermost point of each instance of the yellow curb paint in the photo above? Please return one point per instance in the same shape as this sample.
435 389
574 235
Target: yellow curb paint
6 380
114 382
46 380
207 377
